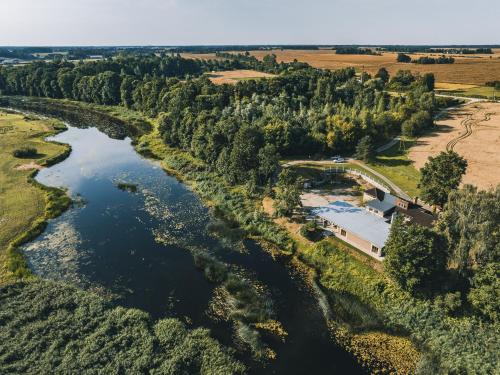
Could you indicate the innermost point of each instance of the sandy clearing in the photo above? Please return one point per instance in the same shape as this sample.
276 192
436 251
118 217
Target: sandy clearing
233 76
314 198
28 166
474 132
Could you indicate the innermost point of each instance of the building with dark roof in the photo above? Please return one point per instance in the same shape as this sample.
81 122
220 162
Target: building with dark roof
384 204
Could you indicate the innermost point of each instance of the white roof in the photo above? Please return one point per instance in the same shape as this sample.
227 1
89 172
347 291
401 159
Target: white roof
356 220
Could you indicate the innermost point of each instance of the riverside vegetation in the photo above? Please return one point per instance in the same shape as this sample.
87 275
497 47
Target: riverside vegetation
240 132
26 205
133 341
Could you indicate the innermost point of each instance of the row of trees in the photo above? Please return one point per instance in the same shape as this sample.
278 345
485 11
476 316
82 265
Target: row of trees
403 58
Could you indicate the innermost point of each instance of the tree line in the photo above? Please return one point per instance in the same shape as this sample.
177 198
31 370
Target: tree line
403 58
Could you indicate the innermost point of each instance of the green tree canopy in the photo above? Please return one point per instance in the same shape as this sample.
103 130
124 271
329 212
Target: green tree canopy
287 193
365 150
441 175
383 74
485 292
471 224
416 256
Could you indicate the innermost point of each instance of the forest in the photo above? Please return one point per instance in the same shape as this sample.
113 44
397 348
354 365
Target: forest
240 130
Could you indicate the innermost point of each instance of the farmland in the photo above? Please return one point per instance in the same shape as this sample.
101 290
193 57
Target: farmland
470 69
474 132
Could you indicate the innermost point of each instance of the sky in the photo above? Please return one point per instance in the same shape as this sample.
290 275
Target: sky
201 22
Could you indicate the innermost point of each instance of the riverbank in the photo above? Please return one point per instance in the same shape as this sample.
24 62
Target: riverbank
375 349
26 205
388 330
371 316
232 203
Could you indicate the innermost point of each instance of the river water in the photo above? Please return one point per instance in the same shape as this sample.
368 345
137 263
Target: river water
136 248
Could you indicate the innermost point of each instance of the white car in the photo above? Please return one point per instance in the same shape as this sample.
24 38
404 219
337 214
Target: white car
339 160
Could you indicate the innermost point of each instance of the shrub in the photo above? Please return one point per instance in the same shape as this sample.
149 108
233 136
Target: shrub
25 152
310 230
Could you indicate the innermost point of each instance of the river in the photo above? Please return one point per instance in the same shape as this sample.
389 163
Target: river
135 246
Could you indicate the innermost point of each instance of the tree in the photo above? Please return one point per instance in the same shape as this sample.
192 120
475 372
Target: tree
428 81
440 175
383 74
402 58
416 124
403 78
485 292
471 224
268 162
415 257
287 193
244 154
364 149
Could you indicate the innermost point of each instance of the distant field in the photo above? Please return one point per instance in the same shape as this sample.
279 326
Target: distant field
473 69
233 76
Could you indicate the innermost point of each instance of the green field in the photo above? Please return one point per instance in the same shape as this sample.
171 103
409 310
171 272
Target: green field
394 164
473 91
22 204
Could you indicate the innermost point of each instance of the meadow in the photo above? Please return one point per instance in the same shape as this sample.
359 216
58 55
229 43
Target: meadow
395 164
25 205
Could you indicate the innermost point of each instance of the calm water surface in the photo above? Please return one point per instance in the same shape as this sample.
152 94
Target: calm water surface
136 247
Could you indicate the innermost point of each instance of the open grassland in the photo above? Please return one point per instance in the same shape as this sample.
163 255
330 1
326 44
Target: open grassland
23 206
395 164
233 76
473 69
458 89
474 132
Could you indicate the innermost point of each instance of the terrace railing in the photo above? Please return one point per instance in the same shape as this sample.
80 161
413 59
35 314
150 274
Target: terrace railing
370 179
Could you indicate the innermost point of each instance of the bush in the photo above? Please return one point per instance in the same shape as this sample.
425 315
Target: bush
450 302
310 231
25 152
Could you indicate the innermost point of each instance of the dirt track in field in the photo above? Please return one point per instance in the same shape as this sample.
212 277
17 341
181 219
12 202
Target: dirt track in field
473 131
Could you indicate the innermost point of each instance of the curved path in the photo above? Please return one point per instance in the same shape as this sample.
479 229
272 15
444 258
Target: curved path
389 183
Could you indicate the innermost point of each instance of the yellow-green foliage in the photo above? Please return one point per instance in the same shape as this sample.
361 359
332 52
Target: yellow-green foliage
24 204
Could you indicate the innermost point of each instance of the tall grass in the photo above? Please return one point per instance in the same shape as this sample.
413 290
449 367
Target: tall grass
48 327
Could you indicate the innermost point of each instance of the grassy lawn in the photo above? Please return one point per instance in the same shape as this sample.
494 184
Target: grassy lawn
21 202
394 164
468 91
